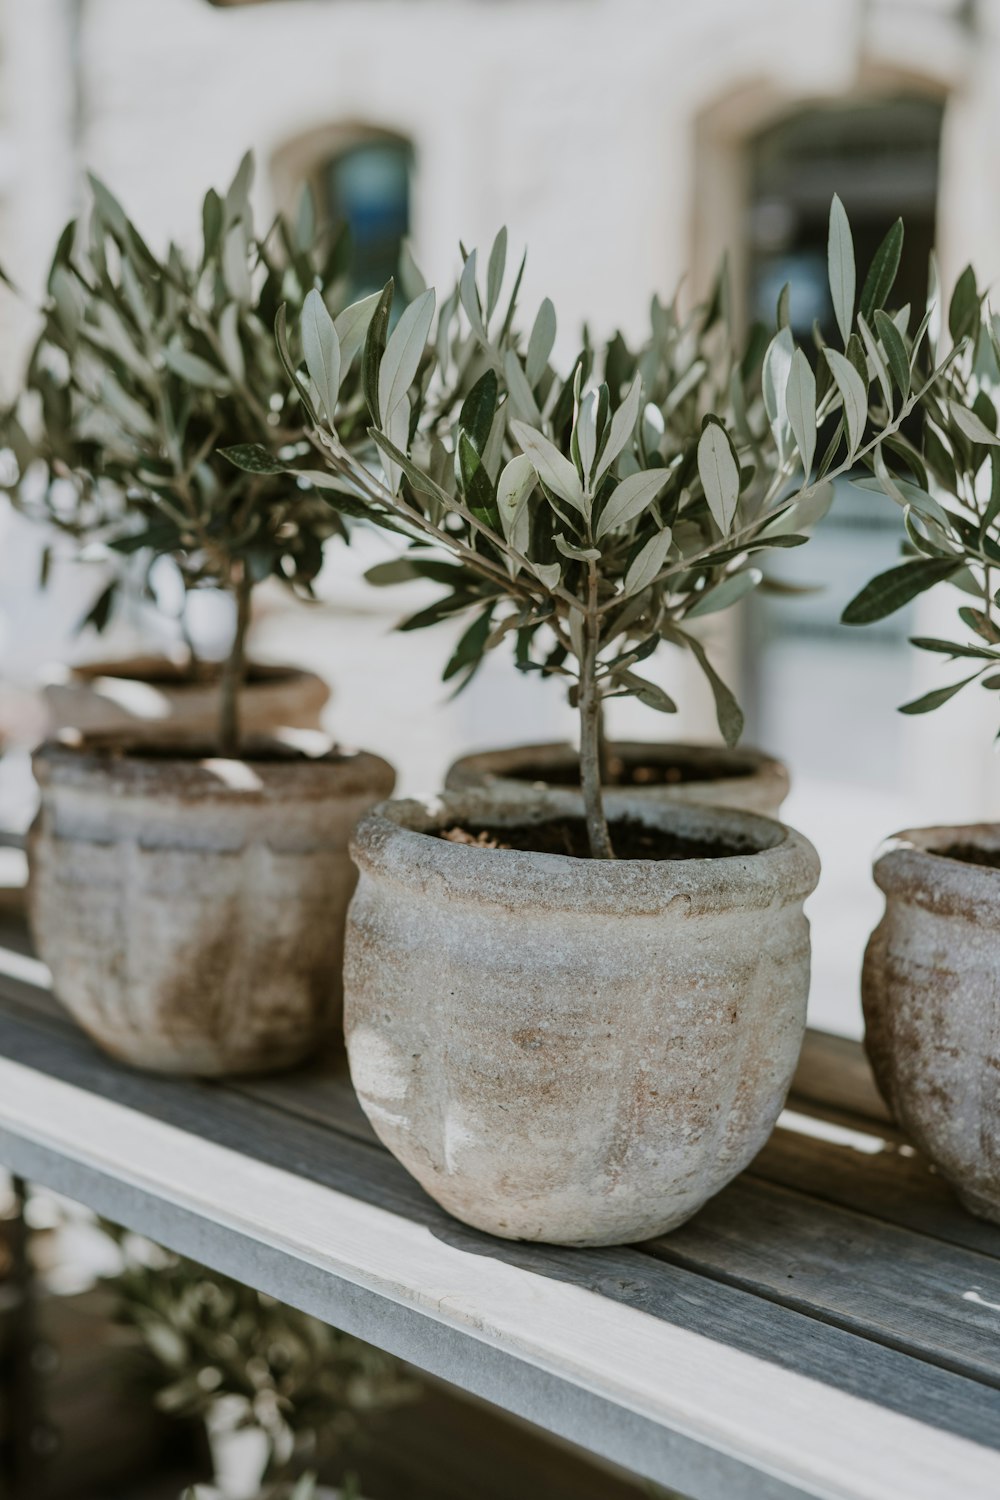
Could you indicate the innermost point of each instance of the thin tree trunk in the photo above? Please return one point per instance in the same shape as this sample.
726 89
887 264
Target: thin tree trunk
590 732
234 673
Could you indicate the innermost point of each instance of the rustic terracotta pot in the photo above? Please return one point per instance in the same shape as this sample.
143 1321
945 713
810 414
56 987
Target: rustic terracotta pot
931 993
710 774
150 696
192 910
566 1049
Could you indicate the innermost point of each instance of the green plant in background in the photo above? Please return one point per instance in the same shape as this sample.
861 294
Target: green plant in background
226 1350
949 492
566 514
146 367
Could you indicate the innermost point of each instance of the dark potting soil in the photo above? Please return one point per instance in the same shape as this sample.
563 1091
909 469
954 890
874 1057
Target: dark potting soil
972 854
625 773
252 753
630 840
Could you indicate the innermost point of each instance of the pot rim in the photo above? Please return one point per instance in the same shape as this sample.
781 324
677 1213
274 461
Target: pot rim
912 862
168 673
396 841
120 764
758 764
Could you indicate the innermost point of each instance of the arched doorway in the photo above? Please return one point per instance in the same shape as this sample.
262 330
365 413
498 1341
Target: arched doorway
360 175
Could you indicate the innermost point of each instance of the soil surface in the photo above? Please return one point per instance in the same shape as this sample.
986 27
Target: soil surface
630 840
972 854
620 772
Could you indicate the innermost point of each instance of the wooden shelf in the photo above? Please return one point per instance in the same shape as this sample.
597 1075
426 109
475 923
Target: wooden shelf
828 1326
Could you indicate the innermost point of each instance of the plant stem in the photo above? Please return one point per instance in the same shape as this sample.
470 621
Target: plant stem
590 730
234 672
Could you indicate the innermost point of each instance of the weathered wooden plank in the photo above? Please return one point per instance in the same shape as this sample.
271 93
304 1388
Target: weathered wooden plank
833 1073
929 1299
673 1404
626 1278
876 1173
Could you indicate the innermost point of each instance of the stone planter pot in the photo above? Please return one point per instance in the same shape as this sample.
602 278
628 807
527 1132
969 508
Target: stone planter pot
149 697
192 910
931 994
572 1050
709 774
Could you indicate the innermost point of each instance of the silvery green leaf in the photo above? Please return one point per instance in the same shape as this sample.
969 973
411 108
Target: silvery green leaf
774 380
630 498
540 342
235 265
397 431
108 208
120 341
580 554
238 193
193 369
128 411
840 262
229 338
352 325
522 399
494 272
719 473
411 279
514 486
800 403
552 467
586 434
493 448
469 293
877 361
804 513
853 394
620 429
895 349
653 427
321 347
403 354
547 573
648 693
577 634
647 563
903 492
972 426
687 383
726 593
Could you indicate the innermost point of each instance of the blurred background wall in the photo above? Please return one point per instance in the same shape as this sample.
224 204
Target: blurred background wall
627 142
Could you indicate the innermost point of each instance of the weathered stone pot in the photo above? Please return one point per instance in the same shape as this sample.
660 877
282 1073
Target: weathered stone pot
150 696
660 772
931 994
192 910
567 1049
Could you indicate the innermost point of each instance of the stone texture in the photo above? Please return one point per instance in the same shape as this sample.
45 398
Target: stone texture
572 1050
931 994
192 911
745 779
148 696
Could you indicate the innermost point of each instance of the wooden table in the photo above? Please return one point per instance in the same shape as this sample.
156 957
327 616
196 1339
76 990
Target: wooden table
828 1326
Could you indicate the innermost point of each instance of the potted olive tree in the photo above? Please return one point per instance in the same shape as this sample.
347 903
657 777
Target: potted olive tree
143 367
689 365
931 979
574 1017
187 893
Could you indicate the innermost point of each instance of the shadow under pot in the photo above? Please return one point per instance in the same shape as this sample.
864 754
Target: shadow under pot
190 908
931 994
655 771
565 1049
146 697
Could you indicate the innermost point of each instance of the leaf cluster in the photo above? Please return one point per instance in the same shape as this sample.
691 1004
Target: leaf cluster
949 492
146 366
587 516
